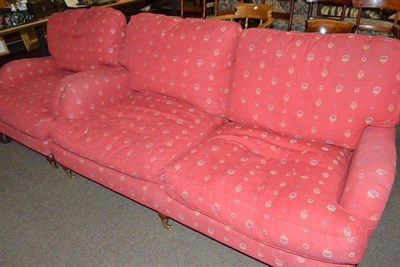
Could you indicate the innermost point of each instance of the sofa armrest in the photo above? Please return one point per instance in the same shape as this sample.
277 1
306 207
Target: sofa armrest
19 71
371 175
80 94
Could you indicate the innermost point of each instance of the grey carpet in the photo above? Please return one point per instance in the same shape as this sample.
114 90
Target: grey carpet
47 219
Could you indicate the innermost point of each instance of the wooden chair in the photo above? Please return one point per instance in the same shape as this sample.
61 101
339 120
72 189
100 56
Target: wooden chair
276 13
196 8
328 26
332 21
391 28
340 7
250 15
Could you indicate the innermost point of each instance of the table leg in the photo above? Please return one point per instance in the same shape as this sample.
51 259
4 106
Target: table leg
173 7
291 14
42 40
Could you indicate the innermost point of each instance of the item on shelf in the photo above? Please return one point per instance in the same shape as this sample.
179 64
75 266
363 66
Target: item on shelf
59 5
84 2
15 15
102 2
40 8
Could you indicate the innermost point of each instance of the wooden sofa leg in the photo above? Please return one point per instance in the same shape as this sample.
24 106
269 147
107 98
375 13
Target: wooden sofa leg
164 221
69 172
53 162
4 139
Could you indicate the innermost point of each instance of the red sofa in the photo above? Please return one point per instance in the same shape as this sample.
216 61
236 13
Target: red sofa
278 144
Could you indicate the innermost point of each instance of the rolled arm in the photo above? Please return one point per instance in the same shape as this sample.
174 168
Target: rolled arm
80 94
371 175
19 71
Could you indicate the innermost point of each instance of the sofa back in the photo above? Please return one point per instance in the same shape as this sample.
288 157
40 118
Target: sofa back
189 59
320 87
83 39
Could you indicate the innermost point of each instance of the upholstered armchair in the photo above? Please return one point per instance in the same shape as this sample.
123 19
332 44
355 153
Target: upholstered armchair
82 43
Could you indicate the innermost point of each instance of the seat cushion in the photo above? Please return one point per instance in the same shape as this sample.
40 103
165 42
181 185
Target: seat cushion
138 137
26 107
280 191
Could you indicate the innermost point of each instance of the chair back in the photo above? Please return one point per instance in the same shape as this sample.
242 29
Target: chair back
328 26
340 5
250 15
387 9
333 21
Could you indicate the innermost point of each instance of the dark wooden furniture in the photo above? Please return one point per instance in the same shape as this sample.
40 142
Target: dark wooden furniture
288 16
328 26
39 26
391 28
276 15
341 4
250 15
199 6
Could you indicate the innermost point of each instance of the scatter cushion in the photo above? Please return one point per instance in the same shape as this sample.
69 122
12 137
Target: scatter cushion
189 59
278 190
300 84
86 39
137 137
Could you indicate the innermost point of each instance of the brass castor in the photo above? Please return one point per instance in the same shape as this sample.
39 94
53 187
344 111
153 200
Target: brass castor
52 161
164 221
69 172
4 139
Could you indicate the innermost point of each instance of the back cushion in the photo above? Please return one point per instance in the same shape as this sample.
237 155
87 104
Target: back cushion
83 39
320 87
189 59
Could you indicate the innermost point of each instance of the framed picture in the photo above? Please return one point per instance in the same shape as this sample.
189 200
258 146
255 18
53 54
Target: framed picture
3 47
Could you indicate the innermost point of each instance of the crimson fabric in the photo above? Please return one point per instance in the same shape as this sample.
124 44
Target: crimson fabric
188 59
17 72
83 39
276 182
41 146
301 84
137 137
83 93
25 95
32 91
371 176
281 191
153 195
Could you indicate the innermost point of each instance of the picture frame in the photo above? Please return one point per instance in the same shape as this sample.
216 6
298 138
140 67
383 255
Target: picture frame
3 47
